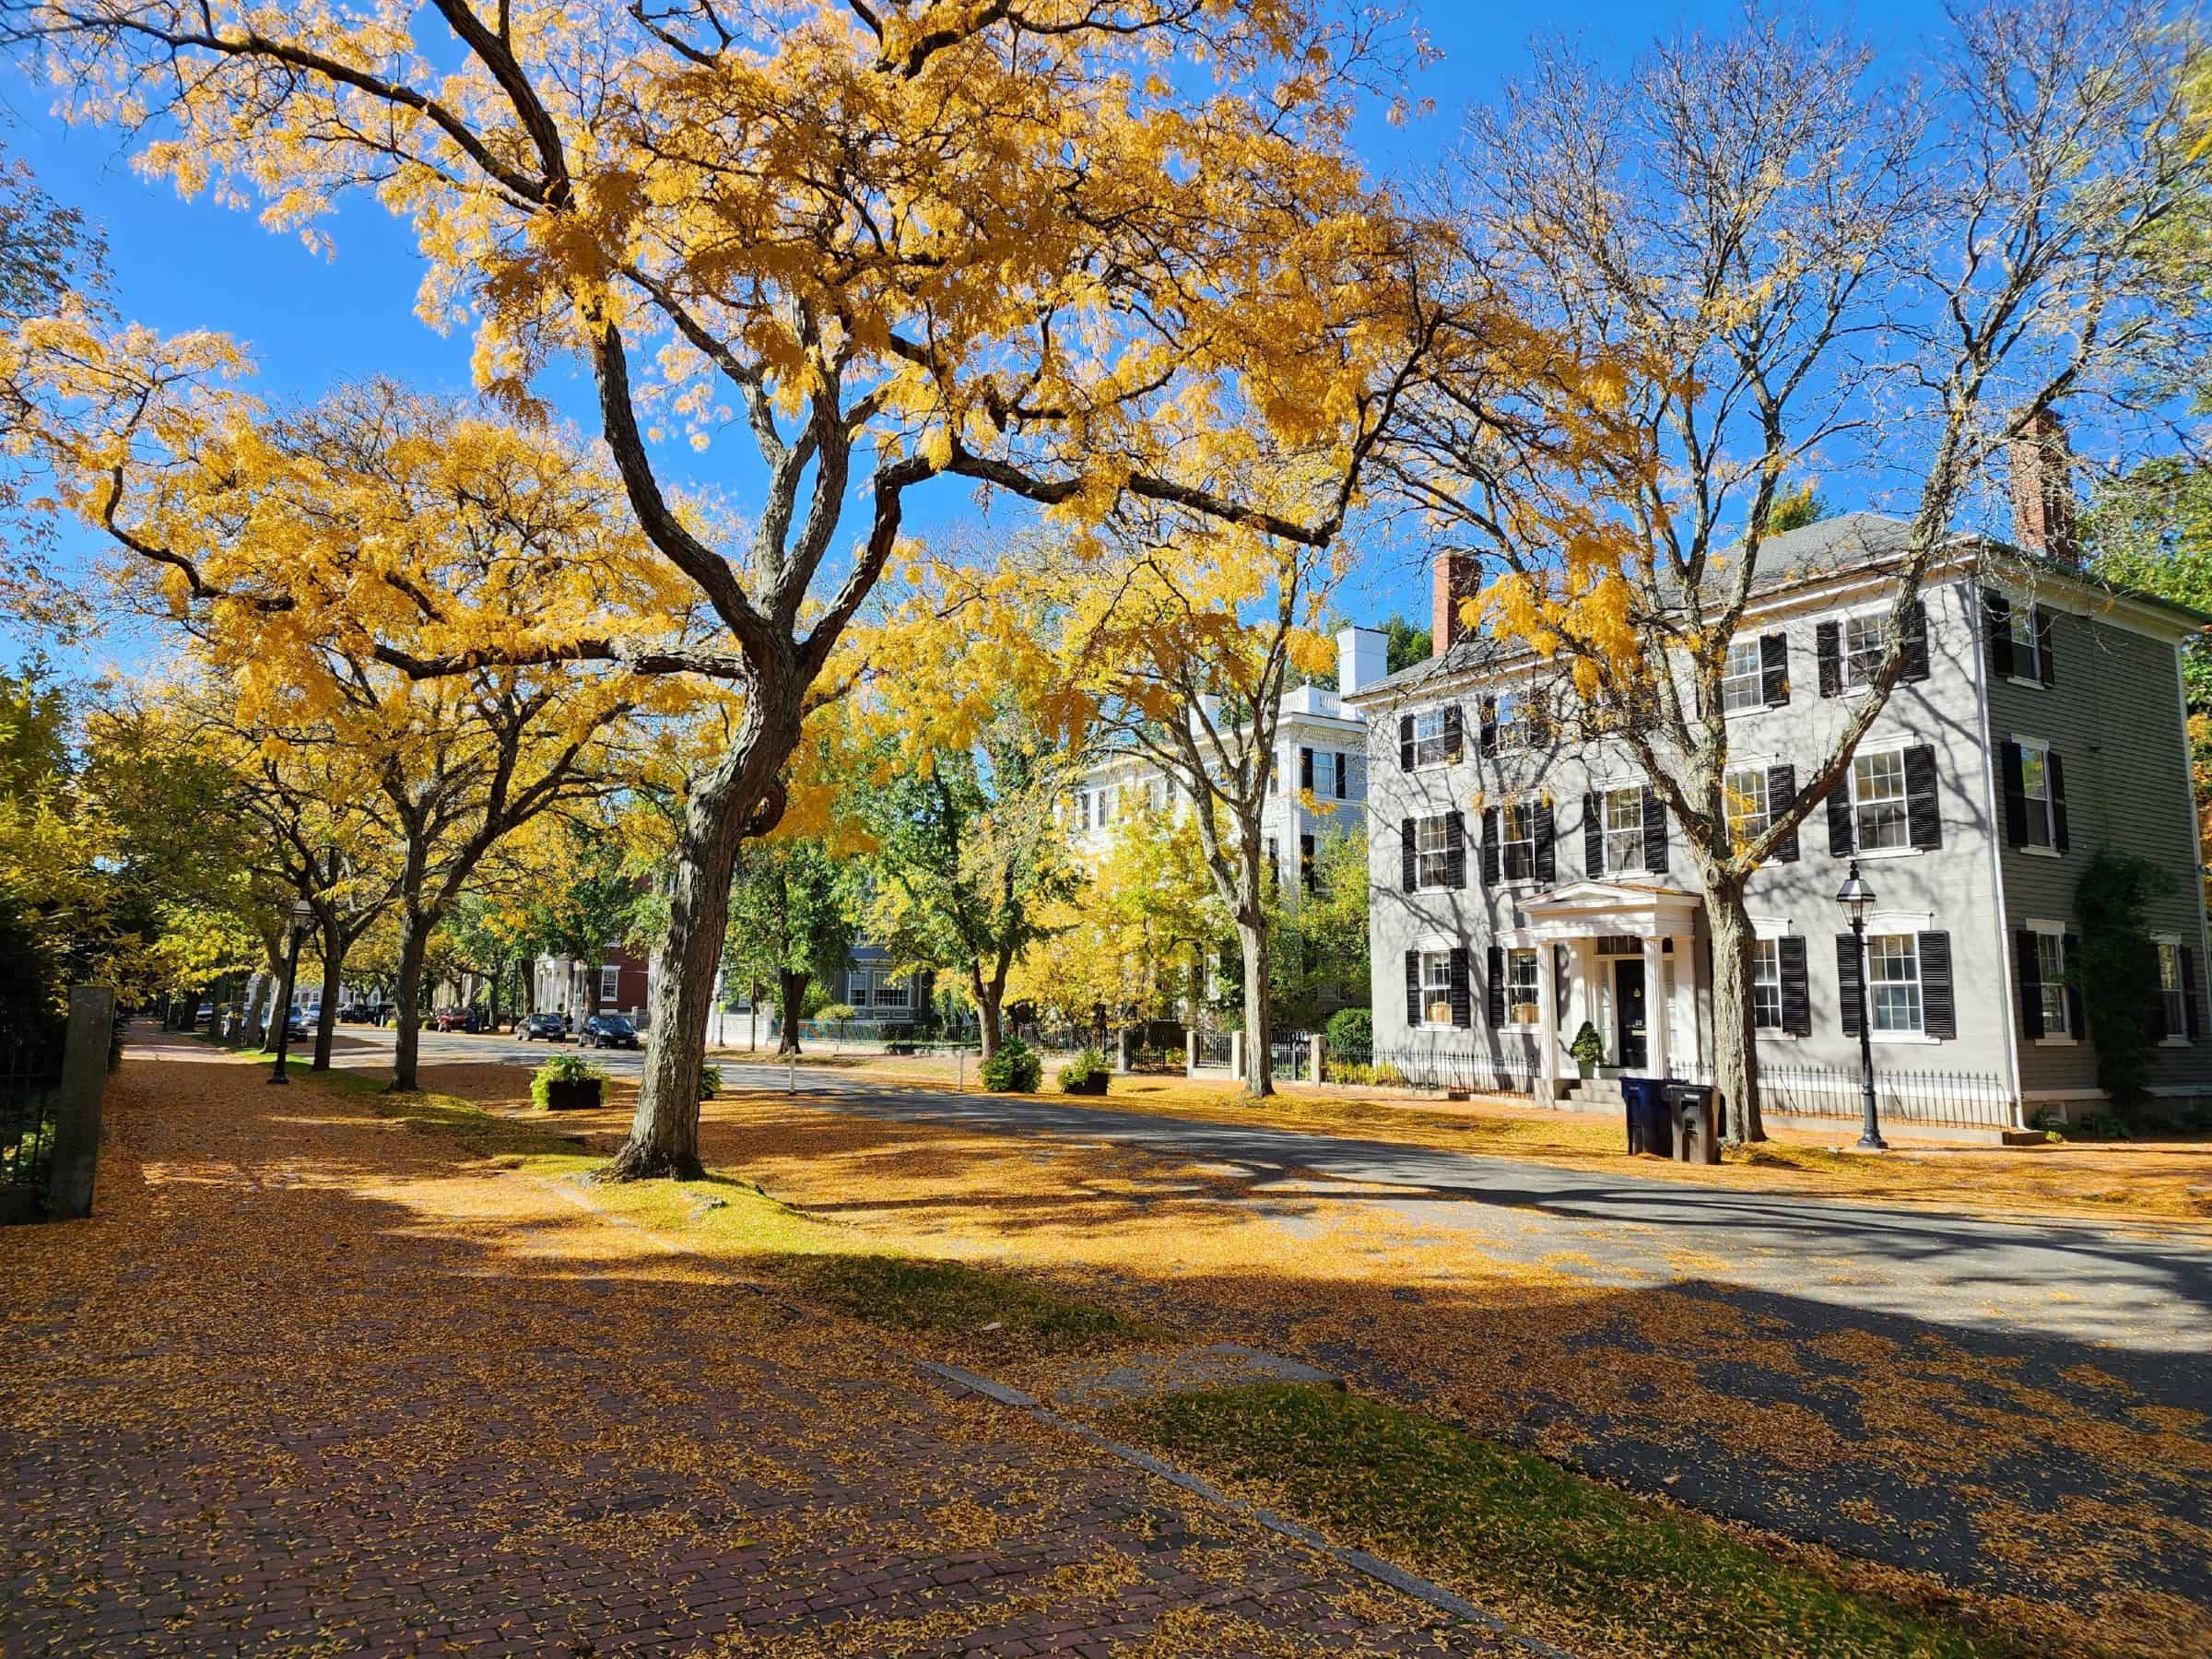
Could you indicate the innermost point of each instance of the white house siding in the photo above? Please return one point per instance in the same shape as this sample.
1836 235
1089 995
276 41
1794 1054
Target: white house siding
2116 701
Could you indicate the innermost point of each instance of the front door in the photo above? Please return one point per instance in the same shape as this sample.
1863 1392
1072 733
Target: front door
1627 1005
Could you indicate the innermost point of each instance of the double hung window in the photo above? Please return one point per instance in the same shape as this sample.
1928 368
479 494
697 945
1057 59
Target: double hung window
1893 984
1436 987
1624 830
1743 676
1865 643
1517 837
1877 793
1766 984
1432 851
1431 739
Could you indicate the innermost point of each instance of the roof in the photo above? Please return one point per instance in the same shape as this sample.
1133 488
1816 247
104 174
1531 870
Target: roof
1821 551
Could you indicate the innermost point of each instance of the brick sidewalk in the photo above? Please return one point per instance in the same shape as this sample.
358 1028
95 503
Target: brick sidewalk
310 1381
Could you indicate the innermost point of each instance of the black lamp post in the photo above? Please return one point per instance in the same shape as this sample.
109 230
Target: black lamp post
1857 899
303 918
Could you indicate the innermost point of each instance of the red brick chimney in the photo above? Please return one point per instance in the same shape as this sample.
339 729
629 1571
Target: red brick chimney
2042 474
1454 581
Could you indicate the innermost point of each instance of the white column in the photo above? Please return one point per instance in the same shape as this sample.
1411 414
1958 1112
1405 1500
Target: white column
1655 1008
1548 1023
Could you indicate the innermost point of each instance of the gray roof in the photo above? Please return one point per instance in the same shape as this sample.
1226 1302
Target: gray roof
1817 552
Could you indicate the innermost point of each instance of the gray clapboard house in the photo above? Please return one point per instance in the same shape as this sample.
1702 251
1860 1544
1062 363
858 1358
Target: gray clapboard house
1522 883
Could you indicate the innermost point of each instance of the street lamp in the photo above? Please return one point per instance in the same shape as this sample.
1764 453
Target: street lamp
303 918
1857 899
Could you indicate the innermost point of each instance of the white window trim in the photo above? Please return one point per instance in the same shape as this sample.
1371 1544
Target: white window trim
2173 1039
1895 744
2050 816
1532 879
2017 602
2056 930
1444 950
1892 922
1844 619
1605 792
1535 949
1436 708
1758 676
1443 884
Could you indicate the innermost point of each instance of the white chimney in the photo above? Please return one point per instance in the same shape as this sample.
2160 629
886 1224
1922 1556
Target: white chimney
1362 659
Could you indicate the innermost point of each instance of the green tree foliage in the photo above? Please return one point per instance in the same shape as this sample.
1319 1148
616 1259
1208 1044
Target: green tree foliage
2117 970
2151 530
970 861
1407 645
589 899
1321 960
794 915
1796 507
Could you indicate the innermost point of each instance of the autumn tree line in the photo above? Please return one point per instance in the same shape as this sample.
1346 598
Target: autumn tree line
1114 272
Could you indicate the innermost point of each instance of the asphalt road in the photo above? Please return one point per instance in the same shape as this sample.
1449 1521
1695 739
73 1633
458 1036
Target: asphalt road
2138 1288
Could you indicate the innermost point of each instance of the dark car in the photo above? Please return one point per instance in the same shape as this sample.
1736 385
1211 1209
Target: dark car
549 1026
295 1026
607 1030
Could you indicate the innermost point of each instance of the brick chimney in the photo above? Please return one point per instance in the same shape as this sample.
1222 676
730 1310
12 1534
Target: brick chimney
2042 474
1454 581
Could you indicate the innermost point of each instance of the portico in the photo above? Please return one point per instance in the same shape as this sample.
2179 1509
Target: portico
1620 954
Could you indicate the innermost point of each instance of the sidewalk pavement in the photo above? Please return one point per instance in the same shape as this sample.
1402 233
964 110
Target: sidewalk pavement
307 1380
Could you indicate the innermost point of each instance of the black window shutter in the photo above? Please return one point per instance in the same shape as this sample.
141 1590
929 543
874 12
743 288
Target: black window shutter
1489 725
1939 1007
1996 618
2075 1026
1490 847
1495 989
1915 653
1847 980
2046 661
1406 859
2189 1016
1404 743
1827 640
1463 994
1453 733
1839 817
1797 985
2029 966
1340 765
2056 776
1305 769
1455 845
1923 805
1774 668
1413 987
1547 857
1782 789
1654 833
1593 835
2015 795
1305 862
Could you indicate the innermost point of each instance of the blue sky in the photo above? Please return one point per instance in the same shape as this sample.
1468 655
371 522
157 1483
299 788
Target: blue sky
311 321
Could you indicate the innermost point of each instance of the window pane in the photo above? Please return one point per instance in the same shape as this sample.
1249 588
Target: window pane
2051 963
1766 984
1520 986
1878 790
1517 829
1893 981
2170 988
2035 784
1436 987
1624 830
1862 648
1429 745
1432 845
1745 795
1742 681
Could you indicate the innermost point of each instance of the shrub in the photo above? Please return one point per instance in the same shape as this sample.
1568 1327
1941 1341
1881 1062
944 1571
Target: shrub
562 1068
1085 1065
1368 1076
834 1013
710 1081
1014 1069
1350 1027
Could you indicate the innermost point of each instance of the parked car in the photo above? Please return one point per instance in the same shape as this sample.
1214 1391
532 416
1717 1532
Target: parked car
206 1017
549 1026
607 1030
295 1026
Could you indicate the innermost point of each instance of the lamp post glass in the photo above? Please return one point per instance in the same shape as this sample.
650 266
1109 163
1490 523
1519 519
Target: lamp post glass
1856 898
303 920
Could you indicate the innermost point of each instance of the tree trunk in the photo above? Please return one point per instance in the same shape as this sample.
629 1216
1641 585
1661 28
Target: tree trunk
326 1018
1259 1018
1734 1030
414 941
791 1002
990 1004
664 1134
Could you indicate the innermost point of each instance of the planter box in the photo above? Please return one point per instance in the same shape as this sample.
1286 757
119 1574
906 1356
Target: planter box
1093 1085
574 1097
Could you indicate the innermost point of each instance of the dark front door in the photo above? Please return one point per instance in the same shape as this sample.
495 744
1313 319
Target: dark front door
1628 1004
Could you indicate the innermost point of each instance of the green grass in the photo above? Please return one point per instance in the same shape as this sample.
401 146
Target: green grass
992 1310
1551 1551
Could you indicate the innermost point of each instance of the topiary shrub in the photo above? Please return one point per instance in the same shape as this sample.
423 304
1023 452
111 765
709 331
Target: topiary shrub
566 1082
710 1081
1087 1074
1014 1069
1350 1027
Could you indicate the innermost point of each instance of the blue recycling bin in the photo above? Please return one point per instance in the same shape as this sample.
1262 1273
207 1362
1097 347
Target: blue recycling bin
1651 1128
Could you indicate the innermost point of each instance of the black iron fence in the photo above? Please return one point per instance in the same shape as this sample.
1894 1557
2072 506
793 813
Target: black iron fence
1950 1099
30 1082
1437 1065
1293 1059
1214 1051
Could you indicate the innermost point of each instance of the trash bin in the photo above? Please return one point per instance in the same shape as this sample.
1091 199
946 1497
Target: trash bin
1693 1112
1649 1130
